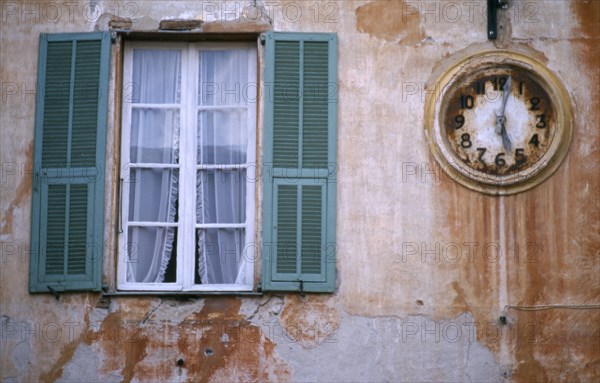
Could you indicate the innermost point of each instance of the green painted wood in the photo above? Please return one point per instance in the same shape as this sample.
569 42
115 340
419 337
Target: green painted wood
70 139
286 111
287 233
311 259
300 148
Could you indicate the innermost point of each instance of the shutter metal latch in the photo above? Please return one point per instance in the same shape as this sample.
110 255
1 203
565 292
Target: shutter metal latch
54 292
302 288
120 212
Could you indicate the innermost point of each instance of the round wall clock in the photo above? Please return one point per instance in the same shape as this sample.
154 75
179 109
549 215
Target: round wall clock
501 123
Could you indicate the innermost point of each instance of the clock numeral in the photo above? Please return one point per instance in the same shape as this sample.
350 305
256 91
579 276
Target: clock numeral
535 141
534 103
500 161
542 123
467 102
480 87
499 82
460 120
466 141
520 156
521 87
481 153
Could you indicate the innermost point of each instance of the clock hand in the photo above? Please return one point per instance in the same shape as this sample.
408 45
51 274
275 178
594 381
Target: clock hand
501 118
505 93
505 140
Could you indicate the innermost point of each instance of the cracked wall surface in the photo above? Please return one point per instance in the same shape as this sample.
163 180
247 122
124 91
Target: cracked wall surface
425 266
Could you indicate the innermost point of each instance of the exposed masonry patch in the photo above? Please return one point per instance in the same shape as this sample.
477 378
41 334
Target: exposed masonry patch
180 25
87 362
21 358
415 348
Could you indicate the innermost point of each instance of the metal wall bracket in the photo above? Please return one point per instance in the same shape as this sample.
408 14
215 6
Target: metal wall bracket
492 13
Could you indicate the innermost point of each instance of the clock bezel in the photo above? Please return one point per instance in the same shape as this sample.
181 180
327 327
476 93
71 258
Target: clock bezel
499 184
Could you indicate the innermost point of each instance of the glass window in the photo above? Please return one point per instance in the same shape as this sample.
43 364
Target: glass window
188 152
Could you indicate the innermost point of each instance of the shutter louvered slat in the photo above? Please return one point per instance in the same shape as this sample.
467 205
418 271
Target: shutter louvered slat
311 229
286 239
286 104
85 104
315 111
78 212
55 238
56 104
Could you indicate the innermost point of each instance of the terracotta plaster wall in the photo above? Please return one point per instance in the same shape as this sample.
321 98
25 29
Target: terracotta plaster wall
425 267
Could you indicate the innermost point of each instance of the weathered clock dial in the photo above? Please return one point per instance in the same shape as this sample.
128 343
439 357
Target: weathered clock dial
499 120
502 123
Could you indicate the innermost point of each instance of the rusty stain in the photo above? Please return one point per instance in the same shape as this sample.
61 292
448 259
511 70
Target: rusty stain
390 21
225 346
545 339
22 193
470 218
560 219
588 13
460 300
235 345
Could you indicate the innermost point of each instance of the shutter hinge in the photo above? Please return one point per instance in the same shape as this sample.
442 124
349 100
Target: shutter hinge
36 177
263 39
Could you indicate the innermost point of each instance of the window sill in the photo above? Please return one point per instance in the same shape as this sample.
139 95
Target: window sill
180 293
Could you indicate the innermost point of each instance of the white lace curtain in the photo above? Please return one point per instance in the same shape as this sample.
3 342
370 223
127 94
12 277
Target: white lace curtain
155 140
221 134
222 141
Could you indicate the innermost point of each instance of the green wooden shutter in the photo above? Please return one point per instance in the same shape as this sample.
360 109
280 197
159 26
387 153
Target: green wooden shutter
68 184
300 162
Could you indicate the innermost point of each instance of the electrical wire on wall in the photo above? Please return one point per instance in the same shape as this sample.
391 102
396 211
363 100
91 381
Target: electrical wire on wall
553 306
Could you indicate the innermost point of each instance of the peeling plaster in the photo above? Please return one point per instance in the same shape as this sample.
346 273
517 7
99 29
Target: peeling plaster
391 21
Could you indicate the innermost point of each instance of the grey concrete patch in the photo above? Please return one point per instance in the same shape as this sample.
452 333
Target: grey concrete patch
85 365
384 349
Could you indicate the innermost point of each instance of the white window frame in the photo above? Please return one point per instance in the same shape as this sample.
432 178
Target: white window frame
188 168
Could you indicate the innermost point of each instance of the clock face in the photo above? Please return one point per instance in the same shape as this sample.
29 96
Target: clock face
501 122
498 120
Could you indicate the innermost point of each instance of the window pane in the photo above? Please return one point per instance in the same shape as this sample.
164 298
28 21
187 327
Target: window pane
154 136
219 256
151 254
224 78
222 137
221 196
153 195
156 76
